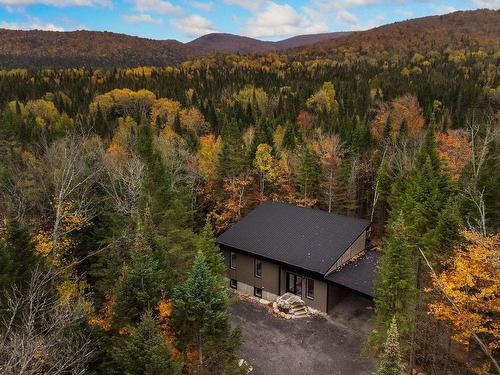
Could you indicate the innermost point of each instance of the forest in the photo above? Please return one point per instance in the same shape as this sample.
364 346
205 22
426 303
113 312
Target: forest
115 182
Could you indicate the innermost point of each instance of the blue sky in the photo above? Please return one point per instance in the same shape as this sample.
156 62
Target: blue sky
187 19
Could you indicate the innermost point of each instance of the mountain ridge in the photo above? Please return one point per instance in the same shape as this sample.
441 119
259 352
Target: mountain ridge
55 49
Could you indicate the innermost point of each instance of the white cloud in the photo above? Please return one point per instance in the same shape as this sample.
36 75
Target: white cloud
34 25
443 9
404 13
141 18
282 20
330 5
204 6
377 20
490 4
346 17
251 5
159 6
194 25
58 3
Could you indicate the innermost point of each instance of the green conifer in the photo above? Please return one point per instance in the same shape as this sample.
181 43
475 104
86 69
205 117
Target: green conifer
390 363
143 351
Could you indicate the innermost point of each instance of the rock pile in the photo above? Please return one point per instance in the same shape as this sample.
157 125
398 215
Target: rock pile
290 306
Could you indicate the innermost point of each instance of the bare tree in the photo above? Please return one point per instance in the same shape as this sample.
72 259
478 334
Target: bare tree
124 184
474 192
39 334
331 150
175 154
67 171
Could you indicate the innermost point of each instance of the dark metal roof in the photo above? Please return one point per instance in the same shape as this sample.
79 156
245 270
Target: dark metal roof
303 237
358 275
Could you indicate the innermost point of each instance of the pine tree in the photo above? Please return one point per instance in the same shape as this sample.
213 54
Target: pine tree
177 124
308 173
395 285
17 256
143 351
213 256
426 199
232 160
200 320
143 282
390 364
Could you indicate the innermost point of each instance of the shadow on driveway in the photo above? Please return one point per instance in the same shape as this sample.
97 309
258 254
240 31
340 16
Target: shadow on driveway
274 346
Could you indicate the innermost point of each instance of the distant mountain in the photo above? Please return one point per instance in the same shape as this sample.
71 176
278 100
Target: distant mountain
86 48
478 28
37 48
230 43
305 40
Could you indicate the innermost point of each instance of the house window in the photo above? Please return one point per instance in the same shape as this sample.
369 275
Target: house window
232 261
294 284
257 268
310 288
257 292
233 283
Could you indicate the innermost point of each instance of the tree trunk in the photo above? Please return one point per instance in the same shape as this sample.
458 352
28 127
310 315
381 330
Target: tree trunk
200 355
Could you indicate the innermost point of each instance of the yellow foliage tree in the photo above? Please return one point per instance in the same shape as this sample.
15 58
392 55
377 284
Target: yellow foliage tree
265 165
471 285
323 100
208 158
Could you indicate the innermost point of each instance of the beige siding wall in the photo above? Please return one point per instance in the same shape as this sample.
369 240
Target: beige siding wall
270 283
320 291
244 274
356 247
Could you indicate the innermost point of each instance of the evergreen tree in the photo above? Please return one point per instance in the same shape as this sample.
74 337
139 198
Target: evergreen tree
200 320
177 124
395 285
232 160
213 256
17 256
143 351
390 364
143 282
426 199
308 173
289 137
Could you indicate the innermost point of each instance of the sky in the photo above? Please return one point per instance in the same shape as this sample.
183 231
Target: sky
185 20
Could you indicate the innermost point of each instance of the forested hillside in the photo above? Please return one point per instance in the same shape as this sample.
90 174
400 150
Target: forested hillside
51 49
114 182
92 49
465 29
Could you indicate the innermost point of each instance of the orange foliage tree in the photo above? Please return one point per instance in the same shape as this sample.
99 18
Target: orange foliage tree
454 150
404 109
471 285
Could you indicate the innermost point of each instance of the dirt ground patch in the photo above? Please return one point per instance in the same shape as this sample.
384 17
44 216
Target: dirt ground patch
275 346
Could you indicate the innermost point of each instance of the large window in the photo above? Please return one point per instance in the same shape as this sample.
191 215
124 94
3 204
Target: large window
257 292
294 283
232 261
257 268
310 288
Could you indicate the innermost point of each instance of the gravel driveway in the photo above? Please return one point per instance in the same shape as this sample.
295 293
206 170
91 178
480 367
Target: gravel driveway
275 346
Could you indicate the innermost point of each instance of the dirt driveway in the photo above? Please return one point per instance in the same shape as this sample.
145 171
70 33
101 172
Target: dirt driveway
302 346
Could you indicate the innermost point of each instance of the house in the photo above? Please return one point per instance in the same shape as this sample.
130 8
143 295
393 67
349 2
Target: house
319 256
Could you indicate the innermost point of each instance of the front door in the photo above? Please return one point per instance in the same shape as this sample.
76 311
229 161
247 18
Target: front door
294 284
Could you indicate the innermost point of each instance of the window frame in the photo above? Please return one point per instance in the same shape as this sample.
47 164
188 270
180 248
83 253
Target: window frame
255 262
235 286
308 280
297 284
232 263
255 293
